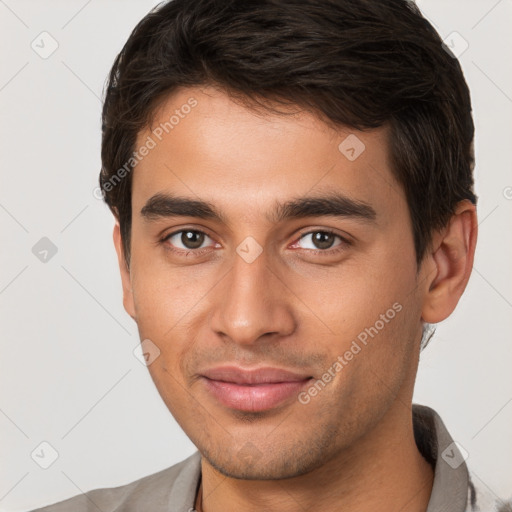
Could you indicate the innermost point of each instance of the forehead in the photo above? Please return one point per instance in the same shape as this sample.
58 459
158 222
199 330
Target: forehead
206 145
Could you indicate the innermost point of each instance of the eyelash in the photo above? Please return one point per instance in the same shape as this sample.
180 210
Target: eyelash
197 252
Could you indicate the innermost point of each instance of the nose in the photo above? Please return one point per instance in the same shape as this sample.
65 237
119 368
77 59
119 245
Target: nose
252 303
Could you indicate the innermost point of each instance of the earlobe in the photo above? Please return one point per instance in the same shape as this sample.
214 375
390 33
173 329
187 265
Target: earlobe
452 258
128 301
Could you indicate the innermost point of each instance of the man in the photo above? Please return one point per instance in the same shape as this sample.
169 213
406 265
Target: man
292 185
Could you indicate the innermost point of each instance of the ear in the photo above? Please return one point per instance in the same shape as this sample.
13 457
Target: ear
450 263
128 301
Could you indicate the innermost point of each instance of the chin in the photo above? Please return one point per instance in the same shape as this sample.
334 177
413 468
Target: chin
250 464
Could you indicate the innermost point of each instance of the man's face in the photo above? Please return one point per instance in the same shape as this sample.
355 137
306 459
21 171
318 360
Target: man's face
263 287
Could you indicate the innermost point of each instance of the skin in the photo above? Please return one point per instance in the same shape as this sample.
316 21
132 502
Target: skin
352 446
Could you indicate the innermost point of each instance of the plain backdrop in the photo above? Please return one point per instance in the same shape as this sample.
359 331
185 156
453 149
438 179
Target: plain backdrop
68 374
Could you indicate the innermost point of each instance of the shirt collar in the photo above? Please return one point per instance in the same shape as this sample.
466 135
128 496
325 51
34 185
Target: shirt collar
450 487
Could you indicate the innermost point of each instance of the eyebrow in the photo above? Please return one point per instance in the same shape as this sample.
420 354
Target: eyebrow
332 204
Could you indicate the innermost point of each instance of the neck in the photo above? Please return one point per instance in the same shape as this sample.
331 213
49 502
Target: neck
383 470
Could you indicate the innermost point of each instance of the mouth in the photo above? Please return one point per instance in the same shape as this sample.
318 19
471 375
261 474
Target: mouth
253 390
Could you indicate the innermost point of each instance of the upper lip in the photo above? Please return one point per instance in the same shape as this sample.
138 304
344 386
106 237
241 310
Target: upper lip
266 375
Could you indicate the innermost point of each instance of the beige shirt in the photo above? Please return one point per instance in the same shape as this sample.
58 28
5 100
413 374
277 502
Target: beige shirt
175 489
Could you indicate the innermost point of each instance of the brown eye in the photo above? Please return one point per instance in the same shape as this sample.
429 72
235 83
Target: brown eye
321 240
192 239
186 239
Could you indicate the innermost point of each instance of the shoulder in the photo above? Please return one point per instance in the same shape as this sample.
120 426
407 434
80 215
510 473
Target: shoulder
455 486
153 492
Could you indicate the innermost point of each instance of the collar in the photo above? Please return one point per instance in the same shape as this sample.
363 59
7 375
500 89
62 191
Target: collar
451 479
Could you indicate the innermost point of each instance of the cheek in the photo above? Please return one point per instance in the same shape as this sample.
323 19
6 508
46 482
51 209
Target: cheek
165 296
164 304
351 298
383 314
372 312
161 306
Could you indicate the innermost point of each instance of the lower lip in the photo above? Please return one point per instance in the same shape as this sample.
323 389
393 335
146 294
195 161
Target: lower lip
256 397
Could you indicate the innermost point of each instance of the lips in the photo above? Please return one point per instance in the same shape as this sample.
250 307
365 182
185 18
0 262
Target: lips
253 390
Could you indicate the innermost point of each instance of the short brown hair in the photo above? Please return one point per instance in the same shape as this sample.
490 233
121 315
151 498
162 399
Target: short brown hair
355 63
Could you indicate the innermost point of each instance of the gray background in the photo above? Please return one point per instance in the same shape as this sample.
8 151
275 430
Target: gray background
68 373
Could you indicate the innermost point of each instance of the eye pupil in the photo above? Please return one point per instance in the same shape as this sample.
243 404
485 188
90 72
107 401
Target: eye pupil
192 239
323 240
